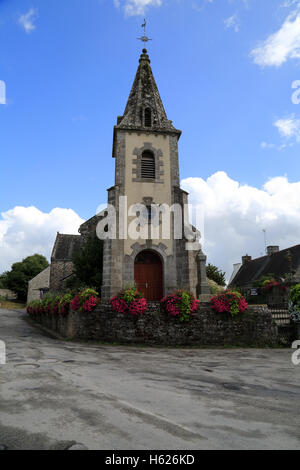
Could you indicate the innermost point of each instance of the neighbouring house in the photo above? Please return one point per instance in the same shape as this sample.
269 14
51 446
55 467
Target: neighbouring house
282 265
38 285
236 268
8 294
61 267
65 247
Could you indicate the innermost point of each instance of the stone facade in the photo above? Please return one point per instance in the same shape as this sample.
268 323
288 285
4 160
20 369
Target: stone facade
60 272
144 127
133 136
61 268
252 328
39 283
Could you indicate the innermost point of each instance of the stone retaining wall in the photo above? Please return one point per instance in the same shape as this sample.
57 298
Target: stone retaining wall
206 328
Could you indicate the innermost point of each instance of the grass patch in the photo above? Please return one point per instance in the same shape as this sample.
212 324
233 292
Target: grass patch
12 305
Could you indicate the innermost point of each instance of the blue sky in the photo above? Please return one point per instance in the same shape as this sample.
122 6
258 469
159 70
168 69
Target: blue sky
224 69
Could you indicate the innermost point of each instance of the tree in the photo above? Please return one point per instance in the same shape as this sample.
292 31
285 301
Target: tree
88 265
215 274
3 279
21 273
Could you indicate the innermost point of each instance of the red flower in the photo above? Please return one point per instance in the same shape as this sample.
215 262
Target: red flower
90 304
55 309
75 303
229 302
119 305
135 307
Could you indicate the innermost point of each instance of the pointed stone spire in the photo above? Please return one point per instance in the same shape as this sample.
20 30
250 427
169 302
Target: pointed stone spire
144 109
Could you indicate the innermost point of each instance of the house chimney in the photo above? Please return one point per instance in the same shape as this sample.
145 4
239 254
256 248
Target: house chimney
246 259
272 249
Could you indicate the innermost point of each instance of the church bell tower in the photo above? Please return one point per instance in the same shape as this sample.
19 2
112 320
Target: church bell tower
145 149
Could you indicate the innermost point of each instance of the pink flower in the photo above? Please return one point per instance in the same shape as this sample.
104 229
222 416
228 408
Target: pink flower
228 301
194 305
90 304
135 307
119 305
55 309
243 306
75 303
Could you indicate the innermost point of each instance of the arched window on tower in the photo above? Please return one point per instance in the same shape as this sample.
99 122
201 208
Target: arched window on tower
148 165
148 117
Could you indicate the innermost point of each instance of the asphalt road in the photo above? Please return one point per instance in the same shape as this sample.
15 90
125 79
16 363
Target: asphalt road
55 393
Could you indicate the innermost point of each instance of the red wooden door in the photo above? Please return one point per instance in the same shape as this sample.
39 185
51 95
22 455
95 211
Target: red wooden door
148 275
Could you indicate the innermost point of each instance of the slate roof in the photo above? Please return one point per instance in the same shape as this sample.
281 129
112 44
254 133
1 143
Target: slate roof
145 94
277 264
42 279
65 247
89 226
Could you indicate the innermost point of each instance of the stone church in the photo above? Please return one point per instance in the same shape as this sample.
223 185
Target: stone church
145 149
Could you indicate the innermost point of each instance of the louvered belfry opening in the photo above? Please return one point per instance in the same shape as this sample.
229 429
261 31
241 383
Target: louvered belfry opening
148 120
148 165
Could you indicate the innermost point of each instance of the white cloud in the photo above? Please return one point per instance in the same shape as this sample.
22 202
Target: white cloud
282 45
266 145
200 6
289 127
289 131
279 148
26 230
289 3
136 7
235 215
2 92
28 19
233 23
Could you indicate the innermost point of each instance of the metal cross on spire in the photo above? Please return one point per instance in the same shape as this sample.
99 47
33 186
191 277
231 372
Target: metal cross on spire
144 38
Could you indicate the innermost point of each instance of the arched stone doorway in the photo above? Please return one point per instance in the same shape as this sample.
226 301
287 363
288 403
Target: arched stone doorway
148 274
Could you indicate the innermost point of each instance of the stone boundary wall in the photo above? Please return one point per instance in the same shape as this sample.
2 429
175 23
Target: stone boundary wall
155 327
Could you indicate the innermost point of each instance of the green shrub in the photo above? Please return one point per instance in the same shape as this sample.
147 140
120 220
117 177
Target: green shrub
181 304
295 296
215 274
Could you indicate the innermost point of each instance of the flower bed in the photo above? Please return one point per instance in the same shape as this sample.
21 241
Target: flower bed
129 301
63 304
294 303
156 327
269 285
34 307
180 304
85 301
230 302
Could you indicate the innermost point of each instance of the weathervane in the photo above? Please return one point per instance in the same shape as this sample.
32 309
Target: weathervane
144 38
